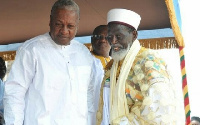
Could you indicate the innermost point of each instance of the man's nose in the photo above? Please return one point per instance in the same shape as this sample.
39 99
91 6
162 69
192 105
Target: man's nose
113 40
103 39
64 30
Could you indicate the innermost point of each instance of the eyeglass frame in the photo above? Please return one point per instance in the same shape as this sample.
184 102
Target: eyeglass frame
99 37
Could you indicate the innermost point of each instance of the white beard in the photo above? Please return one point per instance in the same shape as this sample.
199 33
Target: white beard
117 56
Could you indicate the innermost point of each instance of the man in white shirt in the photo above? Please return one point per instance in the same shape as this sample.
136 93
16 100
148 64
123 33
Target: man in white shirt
101 49
54 80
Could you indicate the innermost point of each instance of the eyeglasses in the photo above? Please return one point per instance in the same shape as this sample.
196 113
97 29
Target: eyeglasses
99 37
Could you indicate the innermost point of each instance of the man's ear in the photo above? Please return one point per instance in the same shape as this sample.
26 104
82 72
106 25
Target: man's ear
77 26
91 39
135 34
50 20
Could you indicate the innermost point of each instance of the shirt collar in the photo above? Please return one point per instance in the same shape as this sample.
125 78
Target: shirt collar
61 47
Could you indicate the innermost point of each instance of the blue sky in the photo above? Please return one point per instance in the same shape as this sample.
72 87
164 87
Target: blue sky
143 34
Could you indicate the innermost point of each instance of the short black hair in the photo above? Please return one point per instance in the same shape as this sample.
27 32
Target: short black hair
2 68
99 28
195 118
68 4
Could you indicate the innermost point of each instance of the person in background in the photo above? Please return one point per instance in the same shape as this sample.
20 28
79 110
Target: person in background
101 50
141 89
100 45
54 79
2 75
195 121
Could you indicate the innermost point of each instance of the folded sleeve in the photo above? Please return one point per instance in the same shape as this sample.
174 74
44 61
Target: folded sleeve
151 94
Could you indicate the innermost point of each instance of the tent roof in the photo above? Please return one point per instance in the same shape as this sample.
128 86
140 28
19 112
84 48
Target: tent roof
23 19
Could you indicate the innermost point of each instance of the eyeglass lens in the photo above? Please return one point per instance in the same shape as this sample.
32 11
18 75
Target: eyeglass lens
99 37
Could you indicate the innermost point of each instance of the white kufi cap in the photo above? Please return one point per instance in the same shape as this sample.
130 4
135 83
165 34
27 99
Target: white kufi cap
124 17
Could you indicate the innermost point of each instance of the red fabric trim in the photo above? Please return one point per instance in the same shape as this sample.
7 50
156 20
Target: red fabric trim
188 120
122 23
182 64
184 82
186 101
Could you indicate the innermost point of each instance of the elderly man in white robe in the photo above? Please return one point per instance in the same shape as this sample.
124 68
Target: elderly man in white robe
141 89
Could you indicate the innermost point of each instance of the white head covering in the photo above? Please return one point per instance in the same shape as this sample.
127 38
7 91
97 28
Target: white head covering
124 16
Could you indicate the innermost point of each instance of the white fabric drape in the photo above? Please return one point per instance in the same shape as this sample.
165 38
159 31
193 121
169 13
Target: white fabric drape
118 100
172 59
190 31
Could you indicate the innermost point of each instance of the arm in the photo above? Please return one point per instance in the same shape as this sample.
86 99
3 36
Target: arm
159 107
160 104
154 100
20 77
94 91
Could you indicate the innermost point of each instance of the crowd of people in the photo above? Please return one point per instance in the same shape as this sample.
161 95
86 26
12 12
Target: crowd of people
56 80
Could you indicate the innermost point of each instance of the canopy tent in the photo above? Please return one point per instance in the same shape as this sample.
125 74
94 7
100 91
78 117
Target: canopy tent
26 19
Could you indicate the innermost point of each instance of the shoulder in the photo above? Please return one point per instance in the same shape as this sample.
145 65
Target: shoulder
79 46
150 63
34 42
148 55
32 46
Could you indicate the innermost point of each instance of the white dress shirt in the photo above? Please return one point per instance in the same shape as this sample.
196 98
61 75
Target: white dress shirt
50 84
